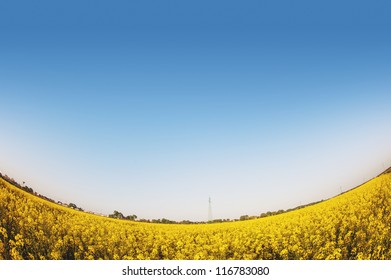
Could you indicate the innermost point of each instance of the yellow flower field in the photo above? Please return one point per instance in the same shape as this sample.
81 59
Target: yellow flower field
354 225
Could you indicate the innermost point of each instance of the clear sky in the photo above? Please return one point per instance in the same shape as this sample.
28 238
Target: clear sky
150 107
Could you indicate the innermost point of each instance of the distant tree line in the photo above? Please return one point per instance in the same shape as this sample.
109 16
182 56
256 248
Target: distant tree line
16 184
26 188
119 215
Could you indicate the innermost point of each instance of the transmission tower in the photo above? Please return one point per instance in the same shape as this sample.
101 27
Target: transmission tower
210 217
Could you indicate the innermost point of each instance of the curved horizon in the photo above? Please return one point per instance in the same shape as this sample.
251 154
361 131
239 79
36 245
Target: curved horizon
153 220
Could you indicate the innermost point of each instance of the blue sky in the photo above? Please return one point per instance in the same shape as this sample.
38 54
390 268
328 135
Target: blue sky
151 107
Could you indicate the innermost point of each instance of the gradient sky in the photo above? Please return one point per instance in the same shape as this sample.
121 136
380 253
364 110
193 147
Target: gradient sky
150 107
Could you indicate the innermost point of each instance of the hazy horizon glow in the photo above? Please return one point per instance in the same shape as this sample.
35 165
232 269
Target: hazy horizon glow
150 108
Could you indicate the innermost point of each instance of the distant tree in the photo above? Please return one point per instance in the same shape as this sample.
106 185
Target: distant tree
72 205
167 221
244 217
117 215
131 217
